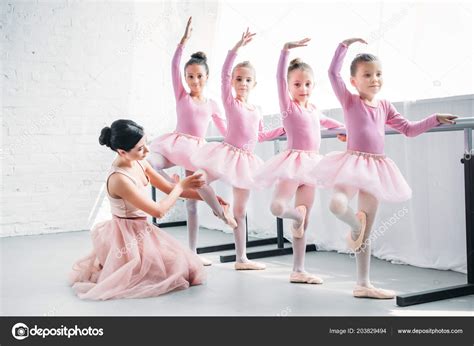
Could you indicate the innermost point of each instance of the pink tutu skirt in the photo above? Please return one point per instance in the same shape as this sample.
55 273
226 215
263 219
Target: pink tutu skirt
225 162
372 173
291 164
132 258
178 148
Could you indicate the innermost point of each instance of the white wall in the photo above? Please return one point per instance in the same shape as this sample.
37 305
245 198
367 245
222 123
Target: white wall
68 69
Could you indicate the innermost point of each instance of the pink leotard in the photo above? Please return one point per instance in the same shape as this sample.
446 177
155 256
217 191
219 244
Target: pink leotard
193 116
302 125
244 126
366 124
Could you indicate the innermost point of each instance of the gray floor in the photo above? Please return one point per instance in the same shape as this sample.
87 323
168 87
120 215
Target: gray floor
34 271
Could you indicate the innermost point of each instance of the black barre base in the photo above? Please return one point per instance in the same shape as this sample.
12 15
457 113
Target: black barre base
170 224
255 254
435 295
231 246
266 253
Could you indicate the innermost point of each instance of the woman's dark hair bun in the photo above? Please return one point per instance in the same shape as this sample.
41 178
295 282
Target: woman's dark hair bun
105 135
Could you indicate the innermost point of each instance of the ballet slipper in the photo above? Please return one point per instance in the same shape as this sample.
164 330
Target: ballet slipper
354 245
228 217
372 292
205 261
305 278
299 232
250 265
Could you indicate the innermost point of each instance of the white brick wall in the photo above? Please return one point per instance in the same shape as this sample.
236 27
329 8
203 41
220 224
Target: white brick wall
68 69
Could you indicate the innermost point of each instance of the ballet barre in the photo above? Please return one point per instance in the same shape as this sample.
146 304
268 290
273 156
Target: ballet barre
462 124
466 125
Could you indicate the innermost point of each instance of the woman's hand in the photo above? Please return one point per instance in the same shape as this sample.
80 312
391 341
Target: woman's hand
247 36
296 44
350 41
446 118
188 31
194 181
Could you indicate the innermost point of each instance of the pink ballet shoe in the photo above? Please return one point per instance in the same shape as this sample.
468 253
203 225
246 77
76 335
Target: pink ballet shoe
228 217
354 245
250 265
299 232
305 278
372 292
205 261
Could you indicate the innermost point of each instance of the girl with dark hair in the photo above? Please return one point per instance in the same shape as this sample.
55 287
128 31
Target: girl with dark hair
194 112
132 258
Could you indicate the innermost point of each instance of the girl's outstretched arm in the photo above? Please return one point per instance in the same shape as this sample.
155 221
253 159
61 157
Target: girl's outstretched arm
270 134
414 128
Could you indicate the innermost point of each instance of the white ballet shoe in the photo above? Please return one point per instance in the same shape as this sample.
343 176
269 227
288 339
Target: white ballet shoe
354 245
250 265
372 292
205 261
305 278
299 232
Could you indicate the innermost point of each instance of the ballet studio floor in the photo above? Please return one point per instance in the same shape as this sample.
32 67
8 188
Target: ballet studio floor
34 271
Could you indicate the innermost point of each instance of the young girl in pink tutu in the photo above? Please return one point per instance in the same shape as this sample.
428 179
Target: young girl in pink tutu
364 168
233 160
194 112
291 170
132 258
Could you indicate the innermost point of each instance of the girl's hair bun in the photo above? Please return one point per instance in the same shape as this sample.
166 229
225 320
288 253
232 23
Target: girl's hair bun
199 56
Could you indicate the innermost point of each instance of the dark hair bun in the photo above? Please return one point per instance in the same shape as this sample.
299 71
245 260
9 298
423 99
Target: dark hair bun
296 61
199 56
104 138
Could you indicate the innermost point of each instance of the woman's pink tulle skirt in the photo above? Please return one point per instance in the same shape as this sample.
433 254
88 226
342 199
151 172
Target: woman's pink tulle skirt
132 258
225 162
178 148
372 173
294 165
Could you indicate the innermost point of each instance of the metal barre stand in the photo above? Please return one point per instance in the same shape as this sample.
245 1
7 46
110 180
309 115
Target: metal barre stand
468 288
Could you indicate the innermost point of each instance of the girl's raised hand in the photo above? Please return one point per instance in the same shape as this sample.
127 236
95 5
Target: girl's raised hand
296 44
350 41
446 118
188 31
247 36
